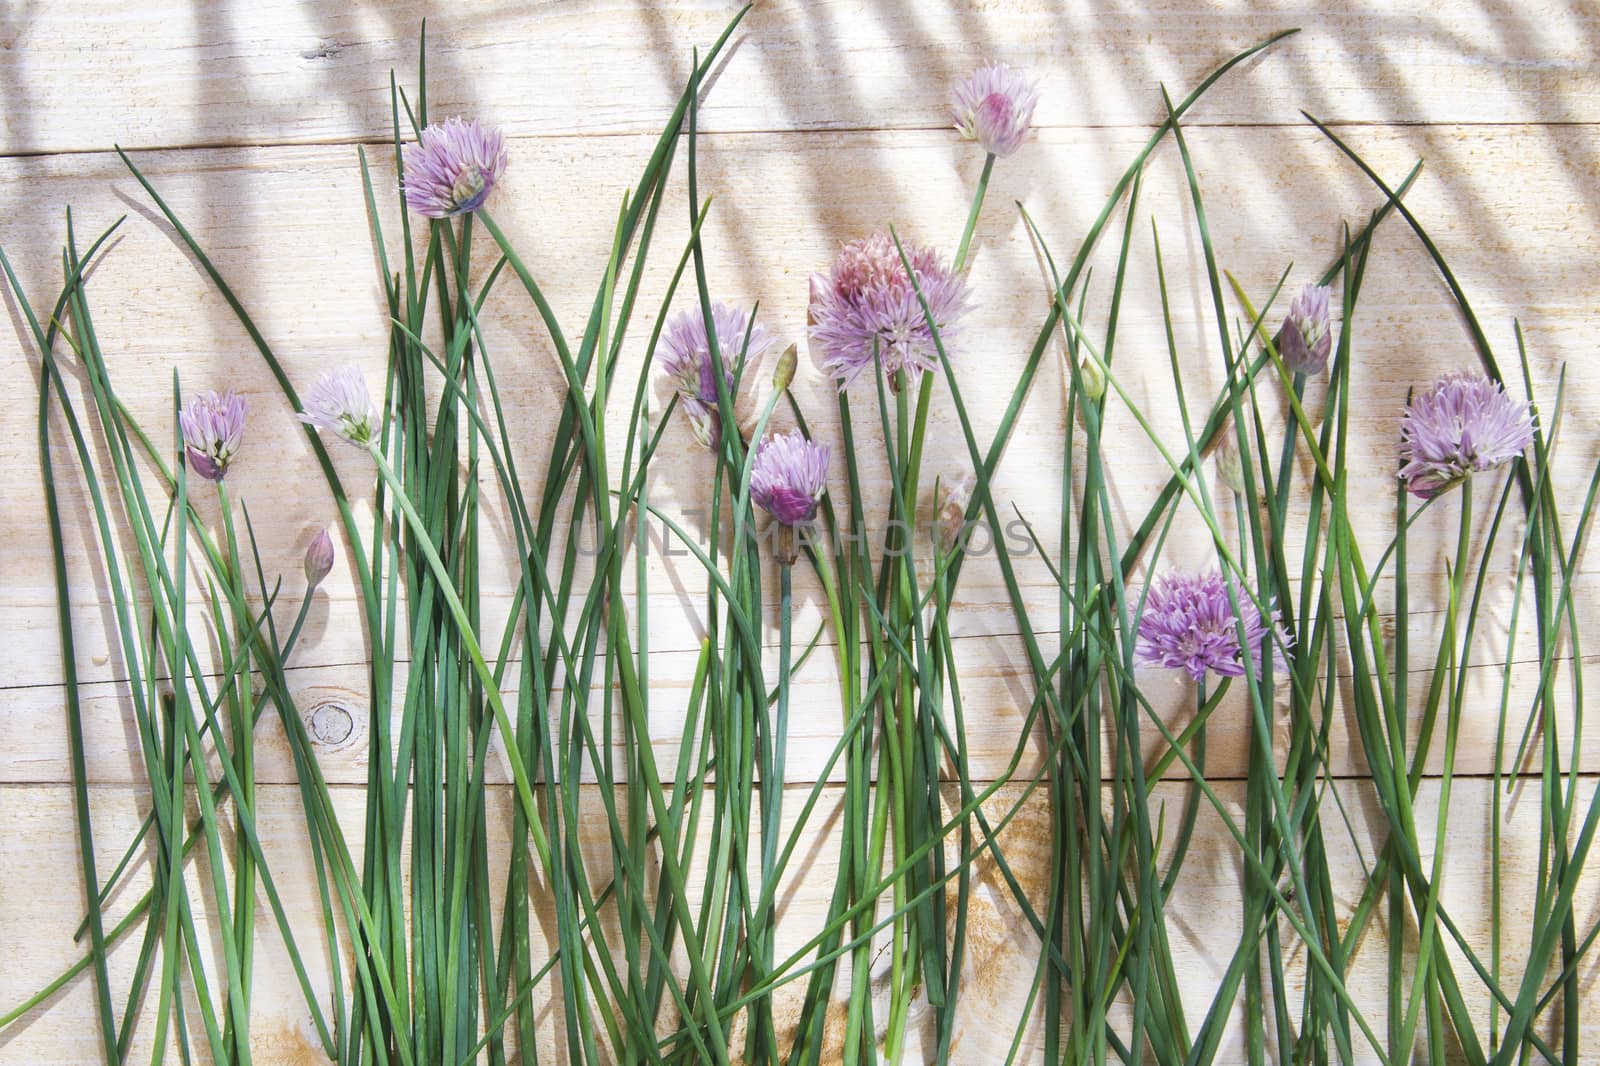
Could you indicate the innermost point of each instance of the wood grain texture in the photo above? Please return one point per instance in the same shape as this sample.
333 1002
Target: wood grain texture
826 121
169 73
331 701
1204 923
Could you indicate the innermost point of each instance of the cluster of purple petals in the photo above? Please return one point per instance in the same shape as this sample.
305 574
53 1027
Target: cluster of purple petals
789 476
452 167
339 403
867 310
1189 624
213 426
686 361
1463 424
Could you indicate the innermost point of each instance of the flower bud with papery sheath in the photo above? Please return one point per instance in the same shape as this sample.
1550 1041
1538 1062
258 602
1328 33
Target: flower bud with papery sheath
1306 339
319 559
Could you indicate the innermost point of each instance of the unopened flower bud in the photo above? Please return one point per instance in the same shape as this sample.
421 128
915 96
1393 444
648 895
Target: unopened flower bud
1228 464
783 373
1306 339
1091 378
319 559
954 496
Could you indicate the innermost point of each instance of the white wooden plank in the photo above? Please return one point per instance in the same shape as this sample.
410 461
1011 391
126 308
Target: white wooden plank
997 694
38 854
221 72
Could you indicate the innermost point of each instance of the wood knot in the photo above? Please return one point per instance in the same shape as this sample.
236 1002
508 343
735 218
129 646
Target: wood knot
327 48
331 724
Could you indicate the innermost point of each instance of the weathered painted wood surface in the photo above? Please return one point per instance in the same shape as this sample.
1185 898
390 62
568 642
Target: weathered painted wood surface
826 121
39 916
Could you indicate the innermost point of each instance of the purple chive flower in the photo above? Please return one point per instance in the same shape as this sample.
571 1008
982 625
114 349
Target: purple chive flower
319 558
1188 624
686 361
1463 424
788 477
866 309
1306 340
451 167
339 403
212 425
993 106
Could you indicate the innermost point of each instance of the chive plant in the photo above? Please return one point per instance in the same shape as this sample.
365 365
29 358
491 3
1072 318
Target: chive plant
1106 897
419 984
179 704
427 965
667 950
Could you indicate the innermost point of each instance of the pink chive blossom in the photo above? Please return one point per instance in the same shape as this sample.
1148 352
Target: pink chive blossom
686 361
789 476
319 559
452 167
1188 624
339 403
1463 424
212 425
867 309
1306 339
993 106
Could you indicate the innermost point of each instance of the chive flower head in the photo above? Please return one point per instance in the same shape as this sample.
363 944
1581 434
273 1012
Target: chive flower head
452 167
212 425
993 106
867 309
339 403
788 477
1188 624
1464 424
1306 339
686 361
